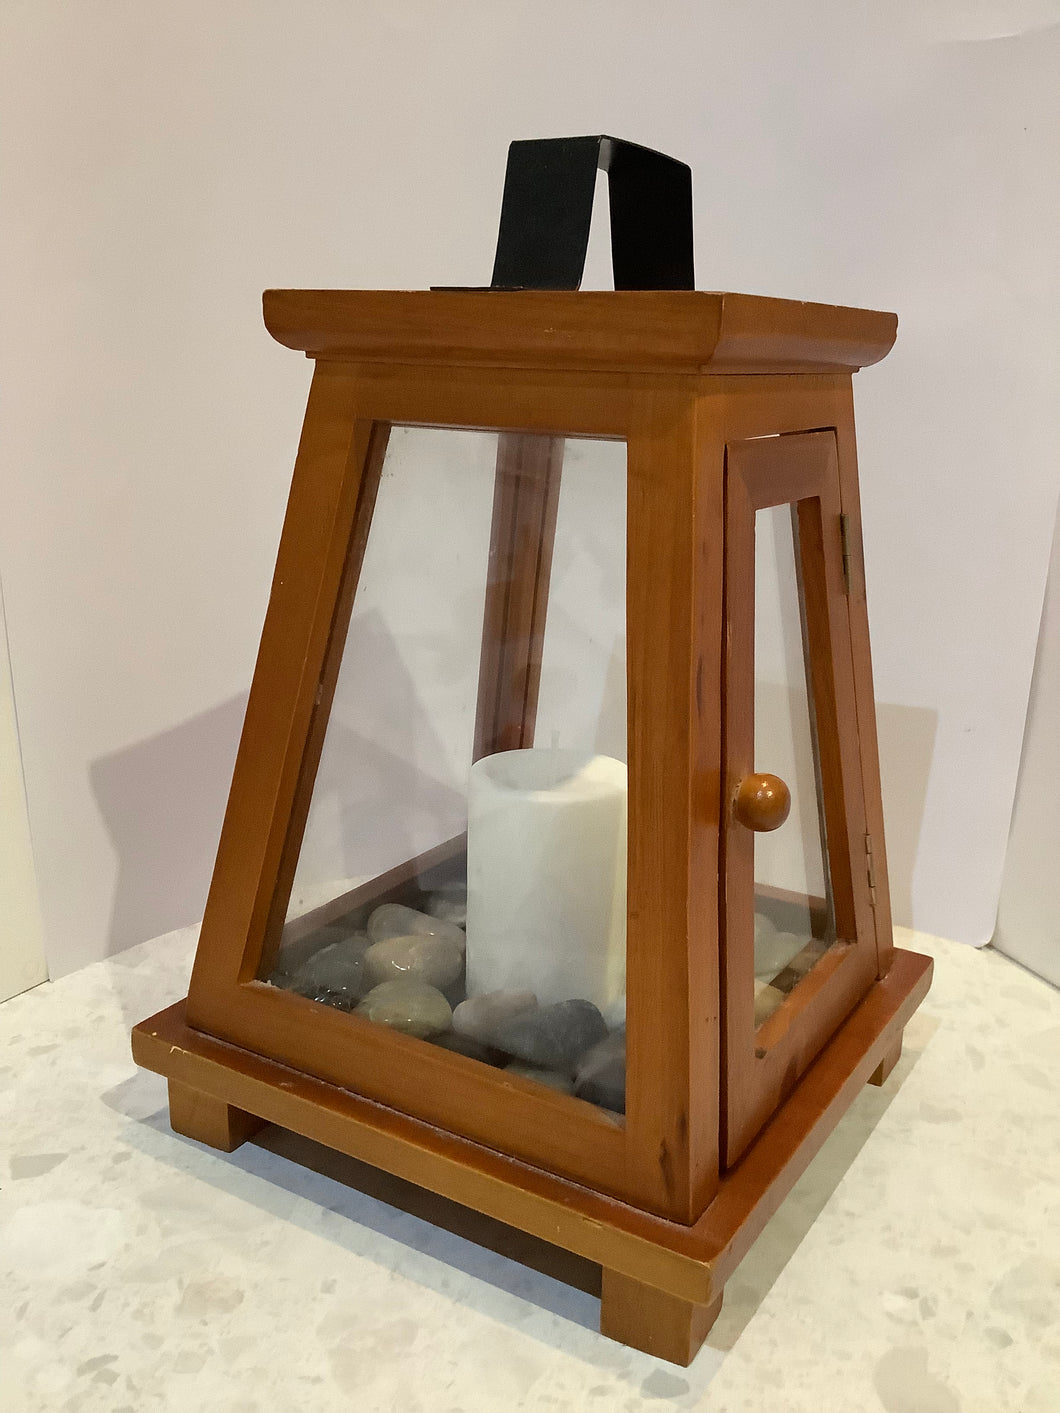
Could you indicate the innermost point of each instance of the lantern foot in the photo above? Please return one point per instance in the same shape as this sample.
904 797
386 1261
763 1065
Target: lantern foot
887 1064
652 1320
209 1120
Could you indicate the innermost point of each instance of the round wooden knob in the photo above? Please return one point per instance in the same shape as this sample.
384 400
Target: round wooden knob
763 802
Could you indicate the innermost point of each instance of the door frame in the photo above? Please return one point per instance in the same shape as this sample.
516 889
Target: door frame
762 1065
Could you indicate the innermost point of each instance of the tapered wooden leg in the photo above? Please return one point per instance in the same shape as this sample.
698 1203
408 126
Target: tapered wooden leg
887 1064
201 1116
653 1321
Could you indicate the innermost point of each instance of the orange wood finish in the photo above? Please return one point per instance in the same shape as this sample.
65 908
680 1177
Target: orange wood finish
679 331
208 1119
653 1320
882 1072
763 803
320 712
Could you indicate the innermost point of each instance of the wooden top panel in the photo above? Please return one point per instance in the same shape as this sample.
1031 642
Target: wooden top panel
680 331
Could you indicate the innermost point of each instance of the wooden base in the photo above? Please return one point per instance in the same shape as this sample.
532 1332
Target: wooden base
653 1320
662 1281
209 1120
882 1071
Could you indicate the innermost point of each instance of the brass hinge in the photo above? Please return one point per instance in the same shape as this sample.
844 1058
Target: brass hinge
844 536
870 869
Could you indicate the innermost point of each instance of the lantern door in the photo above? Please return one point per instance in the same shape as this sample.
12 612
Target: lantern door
800 941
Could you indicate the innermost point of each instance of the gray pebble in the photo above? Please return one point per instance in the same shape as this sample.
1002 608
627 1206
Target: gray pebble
552 1036
335 975
479 1016
601 1074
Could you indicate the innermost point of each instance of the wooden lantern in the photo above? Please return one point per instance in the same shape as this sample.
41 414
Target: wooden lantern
731 420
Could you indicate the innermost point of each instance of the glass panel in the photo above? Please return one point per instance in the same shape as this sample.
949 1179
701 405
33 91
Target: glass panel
461 876
794 923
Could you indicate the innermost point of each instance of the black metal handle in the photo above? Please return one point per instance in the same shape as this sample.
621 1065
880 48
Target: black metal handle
547 207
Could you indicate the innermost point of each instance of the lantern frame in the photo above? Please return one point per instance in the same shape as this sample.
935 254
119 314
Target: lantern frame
726 404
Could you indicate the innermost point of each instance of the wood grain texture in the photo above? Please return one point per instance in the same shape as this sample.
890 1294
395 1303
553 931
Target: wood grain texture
673 580
209 1120
327 681
653 1320
861 655
686 331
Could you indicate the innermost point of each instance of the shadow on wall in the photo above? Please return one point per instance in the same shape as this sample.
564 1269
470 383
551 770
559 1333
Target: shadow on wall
385 789
162 801
907 743
391 781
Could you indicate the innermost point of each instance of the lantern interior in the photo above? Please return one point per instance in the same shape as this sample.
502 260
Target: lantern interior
455 866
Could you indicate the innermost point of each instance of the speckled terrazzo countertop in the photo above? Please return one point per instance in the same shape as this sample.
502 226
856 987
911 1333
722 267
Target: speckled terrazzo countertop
915 1268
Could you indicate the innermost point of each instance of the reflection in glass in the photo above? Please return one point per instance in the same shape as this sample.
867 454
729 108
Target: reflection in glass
460 876
794 923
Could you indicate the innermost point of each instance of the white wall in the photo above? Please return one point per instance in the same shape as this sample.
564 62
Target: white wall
164 163
21 935
1028 920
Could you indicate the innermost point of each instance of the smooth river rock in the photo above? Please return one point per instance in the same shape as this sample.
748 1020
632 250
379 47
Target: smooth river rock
479 1016
550 1078
552 1036
335 975
396 920
601 1074
409 1006
435 960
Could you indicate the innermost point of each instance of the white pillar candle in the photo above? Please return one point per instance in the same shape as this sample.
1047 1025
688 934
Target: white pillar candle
546 876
